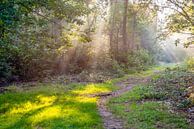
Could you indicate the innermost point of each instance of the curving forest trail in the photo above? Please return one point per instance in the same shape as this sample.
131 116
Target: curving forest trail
110 120
96 64
141 100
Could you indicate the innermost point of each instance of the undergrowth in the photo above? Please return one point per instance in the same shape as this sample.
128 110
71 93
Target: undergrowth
165 102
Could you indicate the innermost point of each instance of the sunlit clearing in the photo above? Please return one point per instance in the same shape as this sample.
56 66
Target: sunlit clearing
47 113
46 99
92 89
28 106
47 109
86 99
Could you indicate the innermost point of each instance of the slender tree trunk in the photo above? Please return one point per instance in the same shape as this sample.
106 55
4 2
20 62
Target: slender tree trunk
125 45
133 43
112 19
117 44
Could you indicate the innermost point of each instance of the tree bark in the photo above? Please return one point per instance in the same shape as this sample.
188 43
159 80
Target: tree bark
125 45
112 42
133 43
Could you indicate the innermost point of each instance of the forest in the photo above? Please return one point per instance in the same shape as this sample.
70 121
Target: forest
96 64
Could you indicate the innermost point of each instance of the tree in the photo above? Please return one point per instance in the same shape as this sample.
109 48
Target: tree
181 20
125 26
28 47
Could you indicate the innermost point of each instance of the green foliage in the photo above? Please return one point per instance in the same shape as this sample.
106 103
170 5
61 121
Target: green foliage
139 60
81 59
158 103
148 115
171 85
190 63
28 44
136 61
182 19
174 83
36 37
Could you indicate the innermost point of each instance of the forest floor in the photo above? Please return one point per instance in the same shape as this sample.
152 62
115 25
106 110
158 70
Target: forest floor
110 120
163 100
114 104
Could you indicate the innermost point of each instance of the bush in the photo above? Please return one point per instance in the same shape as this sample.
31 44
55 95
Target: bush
175 83
136 61
190 63
24 63
139 60
6 69
81 58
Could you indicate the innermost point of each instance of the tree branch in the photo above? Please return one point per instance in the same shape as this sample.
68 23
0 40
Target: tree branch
183 13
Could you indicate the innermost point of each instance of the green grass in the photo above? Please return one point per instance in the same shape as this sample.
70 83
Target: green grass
149 115
56 106
52 107
148 72
144 108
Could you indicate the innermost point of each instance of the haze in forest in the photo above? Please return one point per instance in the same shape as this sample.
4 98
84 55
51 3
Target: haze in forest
92 35
96 64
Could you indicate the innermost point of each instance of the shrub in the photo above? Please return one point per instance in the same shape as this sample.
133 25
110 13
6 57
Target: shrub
175 83
139 60
190 63
81 58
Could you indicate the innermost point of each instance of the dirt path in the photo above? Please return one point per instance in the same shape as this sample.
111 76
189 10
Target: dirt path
110 120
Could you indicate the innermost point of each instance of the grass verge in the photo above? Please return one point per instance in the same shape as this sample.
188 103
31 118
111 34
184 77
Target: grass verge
161 104
55 106
52 106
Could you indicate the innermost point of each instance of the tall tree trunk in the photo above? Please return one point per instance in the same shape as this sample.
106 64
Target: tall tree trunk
125 45
112 19
133 43
117 44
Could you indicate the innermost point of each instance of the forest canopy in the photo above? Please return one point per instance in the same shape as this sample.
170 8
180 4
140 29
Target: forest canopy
51 37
